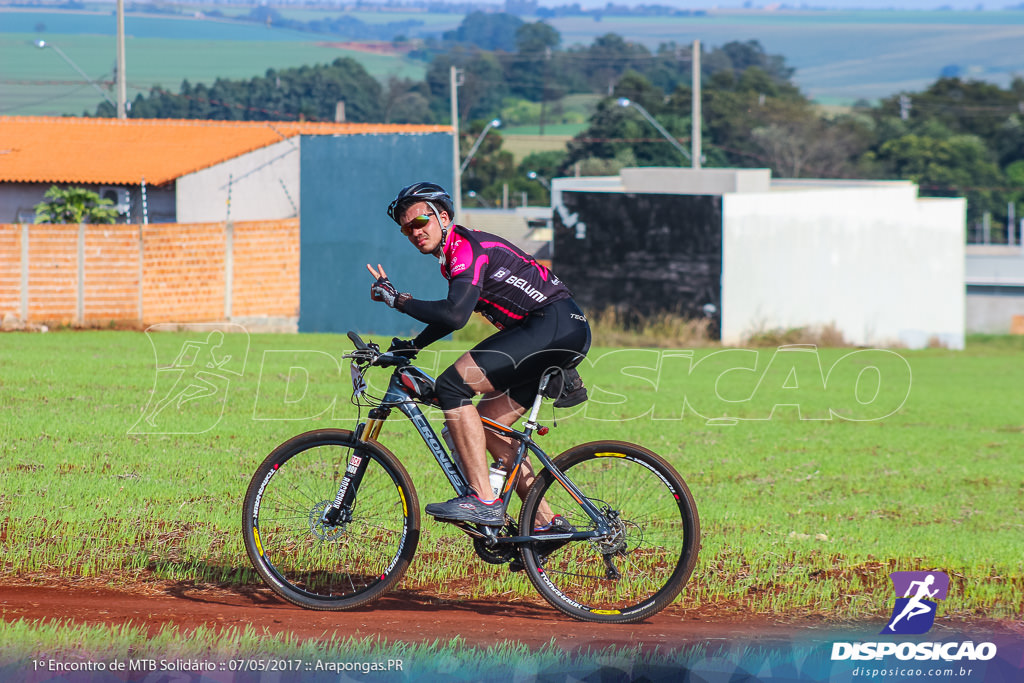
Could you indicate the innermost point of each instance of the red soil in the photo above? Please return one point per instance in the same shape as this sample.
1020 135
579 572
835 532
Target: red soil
409 616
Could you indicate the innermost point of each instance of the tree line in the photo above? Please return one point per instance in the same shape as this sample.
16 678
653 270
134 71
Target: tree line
955 138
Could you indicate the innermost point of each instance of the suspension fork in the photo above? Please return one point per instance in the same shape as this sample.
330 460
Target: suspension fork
340 511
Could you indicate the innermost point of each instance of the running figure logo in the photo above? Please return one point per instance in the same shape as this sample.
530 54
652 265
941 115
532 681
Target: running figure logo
914 612
190 391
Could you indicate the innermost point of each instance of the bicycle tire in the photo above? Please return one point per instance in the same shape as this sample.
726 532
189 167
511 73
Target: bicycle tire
654 547
324 567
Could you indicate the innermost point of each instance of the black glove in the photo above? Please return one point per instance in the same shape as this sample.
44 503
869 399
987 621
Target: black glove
403 347
383 290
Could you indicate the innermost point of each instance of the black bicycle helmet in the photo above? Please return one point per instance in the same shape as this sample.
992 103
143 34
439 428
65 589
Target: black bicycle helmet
421 192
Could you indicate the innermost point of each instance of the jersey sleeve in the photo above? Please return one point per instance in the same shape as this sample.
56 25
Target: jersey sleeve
467 264
452 313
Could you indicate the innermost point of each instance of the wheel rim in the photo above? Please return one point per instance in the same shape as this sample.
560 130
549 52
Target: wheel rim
328 562
645 549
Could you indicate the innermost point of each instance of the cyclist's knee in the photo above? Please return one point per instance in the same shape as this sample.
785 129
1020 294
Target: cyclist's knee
452 391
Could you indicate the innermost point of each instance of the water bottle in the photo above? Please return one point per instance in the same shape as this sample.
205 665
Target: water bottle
497 477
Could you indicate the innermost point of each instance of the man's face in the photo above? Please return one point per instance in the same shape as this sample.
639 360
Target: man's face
424 233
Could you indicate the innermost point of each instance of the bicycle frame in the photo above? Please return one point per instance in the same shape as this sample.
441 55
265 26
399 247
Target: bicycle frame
397 396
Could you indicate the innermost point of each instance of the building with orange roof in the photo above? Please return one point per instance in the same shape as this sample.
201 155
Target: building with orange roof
336 178
190 169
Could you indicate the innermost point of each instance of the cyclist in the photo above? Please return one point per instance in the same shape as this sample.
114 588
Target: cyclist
539 327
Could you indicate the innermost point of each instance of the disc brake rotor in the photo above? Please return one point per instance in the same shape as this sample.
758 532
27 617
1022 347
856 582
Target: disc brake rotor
320 530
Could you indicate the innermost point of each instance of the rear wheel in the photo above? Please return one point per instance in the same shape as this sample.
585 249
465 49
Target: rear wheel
321 565
642 564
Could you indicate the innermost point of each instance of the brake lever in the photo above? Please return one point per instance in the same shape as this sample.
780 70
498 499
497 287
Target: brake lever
361 356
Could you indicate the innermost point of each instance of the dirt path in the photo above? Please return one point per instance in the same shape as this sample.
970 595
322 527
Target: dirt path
401 616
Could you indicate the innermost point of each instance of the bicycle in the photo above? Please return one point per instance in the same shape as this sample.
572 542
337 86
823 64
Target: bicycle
331 519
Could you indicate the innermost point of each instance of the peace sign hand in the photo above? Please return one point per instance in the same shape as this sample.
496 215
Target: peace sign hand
383 290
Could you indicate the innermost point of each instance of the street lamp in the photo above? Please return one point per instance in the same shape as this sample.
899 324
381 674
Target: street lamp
532 175
626 102
42 45
472 194
476 145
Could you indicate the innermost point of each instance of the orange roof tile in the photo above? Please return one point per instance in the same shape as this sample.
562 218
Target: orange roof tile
94 150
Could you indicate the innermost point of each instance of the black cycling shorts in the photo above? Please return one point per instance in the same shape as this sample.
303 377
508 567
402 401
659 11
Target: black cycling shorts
515 358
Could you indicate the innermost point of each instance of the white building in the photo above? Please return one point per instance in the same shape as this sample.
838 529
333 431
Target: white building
873 259
995 288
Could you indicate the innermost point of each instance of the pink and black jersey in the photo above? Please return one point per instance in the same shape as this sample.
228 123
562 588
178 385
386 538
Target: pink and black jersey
511 282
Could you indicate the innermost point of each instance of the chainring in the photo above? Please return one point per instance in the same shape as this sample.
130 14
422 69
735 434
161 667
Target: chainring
499 554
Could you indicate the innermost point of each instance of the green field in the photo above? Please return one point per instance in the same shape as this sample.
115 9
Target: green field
798 515
39 82
839 57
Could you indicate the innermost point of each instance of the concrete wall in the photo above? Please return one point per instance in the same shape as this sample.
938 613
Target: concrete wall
995 287
347 183
695 181
991 310
641 254
260 185
874 260
17 201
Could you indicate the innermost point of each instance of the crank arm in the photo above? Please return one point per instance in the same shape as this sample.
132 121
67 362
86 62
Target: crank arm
471 531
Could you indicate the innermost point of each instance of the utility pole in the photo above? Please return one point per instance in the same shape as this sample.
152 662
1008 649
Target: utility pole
905 106
122 88
453 76
695 142
1011 219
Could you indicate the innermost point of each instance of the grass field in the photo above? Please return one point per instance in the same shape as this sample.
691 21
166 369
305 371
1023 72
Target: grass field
798 515
39 82
840 57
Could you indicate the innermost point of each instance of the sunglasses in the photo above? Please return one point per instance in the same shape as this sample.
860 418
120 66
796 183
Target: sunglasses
417 223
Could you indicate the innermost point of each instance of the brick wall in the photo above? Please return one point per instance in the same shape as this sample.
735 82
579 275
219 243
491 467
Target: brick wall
183 272
10 270
111 272
53 273
183 268
266 269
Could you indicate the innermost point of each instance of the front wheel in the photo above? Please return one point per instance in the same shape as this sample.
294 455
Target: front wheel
642 564
325 565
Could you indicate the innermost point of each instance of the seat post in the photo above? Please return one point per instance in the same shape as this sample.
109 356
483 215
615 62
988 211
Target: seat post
531 418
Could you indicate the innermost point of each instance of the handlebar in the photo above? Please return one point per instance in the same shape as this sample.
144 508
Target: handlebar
371 354
357 340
